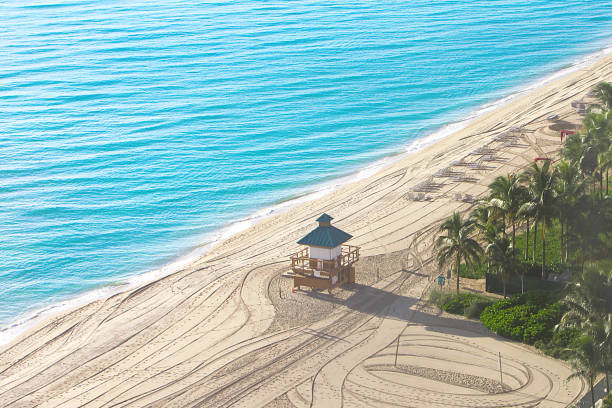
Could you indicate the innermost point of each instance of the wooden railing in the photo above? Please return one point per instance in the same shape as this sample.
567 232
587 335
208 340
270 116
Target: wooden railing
302 263
350 255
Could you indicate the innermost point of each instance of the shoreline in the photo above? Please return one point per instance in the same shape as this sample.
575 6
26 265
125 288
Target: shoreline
229 329
15 328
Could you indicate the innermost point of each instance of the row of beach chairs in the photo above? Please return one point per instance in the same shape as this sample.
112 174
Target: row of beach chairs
418 197
486 153
581 107
448 172
466 198
483 150
427 186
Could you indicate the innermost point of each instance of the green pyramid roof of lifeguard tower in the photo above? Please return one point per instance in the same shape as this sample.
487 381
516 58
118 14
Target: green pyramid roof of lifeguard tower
325 235
325 218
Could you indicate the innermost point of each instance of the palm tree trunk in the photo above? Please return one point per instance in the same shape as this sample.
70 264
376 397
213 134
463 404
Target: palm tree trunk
513 235
566 247
543 250
567 242
535 240
592 394
458 266
561 254
527 241
607 382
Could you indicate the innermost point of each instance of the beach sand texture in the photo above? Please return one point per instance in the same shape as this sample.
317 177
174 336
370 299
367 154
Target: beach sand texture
228 331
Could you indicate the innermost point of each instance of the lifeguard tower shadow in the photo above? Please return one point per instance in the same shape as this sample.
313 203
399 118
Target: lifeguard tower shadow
387 304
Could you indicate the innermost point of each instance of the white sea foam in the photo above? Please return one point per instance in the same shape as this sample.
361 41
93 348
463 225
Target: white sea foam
14 329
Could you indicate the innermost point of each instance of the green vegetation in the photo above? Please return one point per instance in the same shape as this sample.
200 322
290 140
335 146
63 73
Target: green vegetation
532 268
553 247
468 304
530 318
456 243
476 271
607 402
549 219
561 345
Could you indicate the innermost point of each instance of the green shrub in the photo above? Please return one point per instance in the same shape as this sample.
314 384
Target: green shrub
540 325
475 309
468 304
457 303
531 318
522 317
539 298
507 321
607 402
438 297
561 344
473 272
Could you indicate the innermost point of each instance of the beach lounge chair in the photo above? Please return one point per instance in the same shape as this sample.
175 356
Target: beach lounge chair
445 172
485 150
459 162
479 167
505 137
465 179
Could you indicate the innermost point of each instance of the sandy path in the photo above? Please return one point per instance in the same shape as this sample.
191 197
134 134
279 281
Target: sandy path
213 334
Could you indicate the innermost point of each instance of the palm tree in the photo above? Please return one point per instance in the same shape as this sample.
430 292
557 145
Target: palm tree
589 300
599 331
596 130
592 223
573 148
589 307
486 225
569 188
586 361
603 92
508 195
604 160
527 213
457 242
542 181
502 256
606 345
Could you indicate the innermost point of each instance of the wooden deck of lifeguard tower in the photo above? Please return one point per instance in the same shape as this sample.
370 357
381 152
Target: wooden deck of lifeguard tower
324 274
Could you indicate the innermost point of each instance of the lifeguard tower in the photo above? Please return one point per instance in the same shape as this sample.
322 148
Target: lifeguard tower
325 263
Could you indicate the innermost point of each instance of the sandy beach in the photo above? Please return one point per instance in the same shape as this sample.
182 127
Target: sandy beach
228 331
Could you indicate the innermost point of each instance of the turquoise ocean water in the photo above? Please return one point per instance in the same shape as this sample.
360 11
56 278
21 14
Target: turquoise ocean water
132 132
